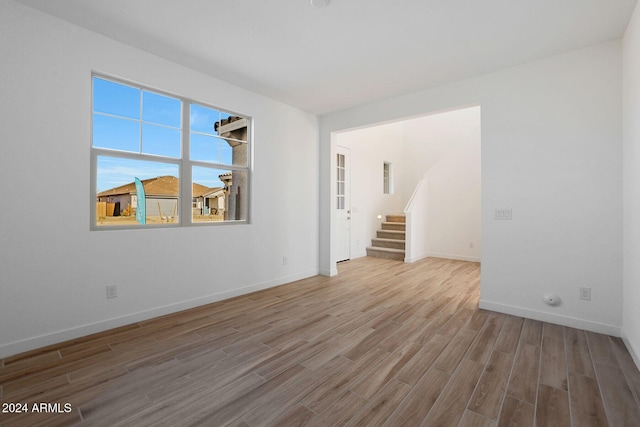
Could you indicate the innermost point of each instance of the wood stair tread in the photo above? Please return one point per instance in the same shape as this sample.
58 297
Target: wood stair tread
382 249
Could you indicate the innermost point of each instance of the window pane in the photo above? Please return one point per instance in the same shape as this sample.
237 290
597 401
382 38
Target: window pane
118 200
116 134
209 195
160 140
386 178
238 196
115 98
203 119
218 195
211 149
203 147
161 109
226 154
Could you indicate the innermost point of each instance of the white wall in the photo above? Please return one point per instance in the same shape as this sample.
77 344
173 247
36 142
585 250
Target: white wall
631 151
53 270
370 148
552 152
445 150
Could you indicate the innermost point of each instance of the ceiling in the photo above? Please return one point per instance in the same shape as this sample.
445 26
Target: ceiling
351 52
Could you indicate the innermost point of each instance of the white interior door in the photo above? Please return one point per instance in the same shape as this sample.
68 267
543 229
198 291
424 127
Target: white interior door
343 204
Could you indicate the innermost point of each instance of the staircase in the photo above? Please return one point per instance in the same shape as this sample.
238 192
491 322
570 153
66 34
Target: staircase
390 240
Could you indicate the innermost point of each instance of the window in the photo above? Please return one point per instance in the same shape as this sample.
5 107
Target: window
387 179
162 160
340 181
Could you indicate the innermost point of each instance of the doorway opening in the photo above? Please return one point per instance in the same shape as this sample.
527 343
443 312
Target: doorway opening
439 154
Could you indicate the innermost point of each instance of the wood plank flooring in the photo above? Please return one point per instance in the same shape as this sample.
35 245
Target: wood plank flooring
382 343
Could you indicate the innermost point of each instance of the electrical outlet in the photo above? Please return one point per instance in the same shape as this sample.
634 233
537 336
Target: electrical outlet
285 261
503 214
585 293
112 291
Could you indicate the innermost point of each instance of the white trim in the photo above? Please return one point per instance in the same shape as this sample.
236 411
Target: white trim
329 273
21 346
417 258
557 319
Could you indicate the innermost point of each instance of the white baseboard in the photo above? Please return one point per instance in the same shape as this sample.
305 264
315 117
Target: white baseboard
445 256
635 355
329 273
457 257
414 259
21 346
572 322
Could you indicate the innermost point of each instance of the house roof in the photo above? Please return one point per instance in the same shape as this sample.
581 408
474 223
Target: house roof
214 192
159 186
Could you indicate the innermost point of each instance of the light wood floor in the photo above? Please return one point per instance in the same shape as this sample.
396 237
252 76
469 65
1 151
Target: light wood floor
382 343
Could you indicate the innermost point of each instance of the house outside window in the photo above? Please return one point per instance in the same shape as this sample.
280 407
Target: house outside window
163 160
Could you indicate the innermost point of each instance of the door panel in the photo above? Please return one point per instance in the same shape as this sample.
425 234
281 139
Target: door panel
343 204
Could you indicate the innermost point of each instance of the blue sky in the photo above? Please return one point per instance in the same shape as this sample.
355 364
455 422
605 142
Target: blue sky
127 119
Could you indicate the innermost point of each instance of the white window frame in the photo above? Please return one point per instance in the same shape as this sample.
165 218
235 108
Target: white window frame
184 163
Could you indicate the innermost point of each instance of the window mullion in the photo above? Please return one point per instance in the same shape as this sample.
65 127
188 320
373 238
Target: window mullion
186 187
140 123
